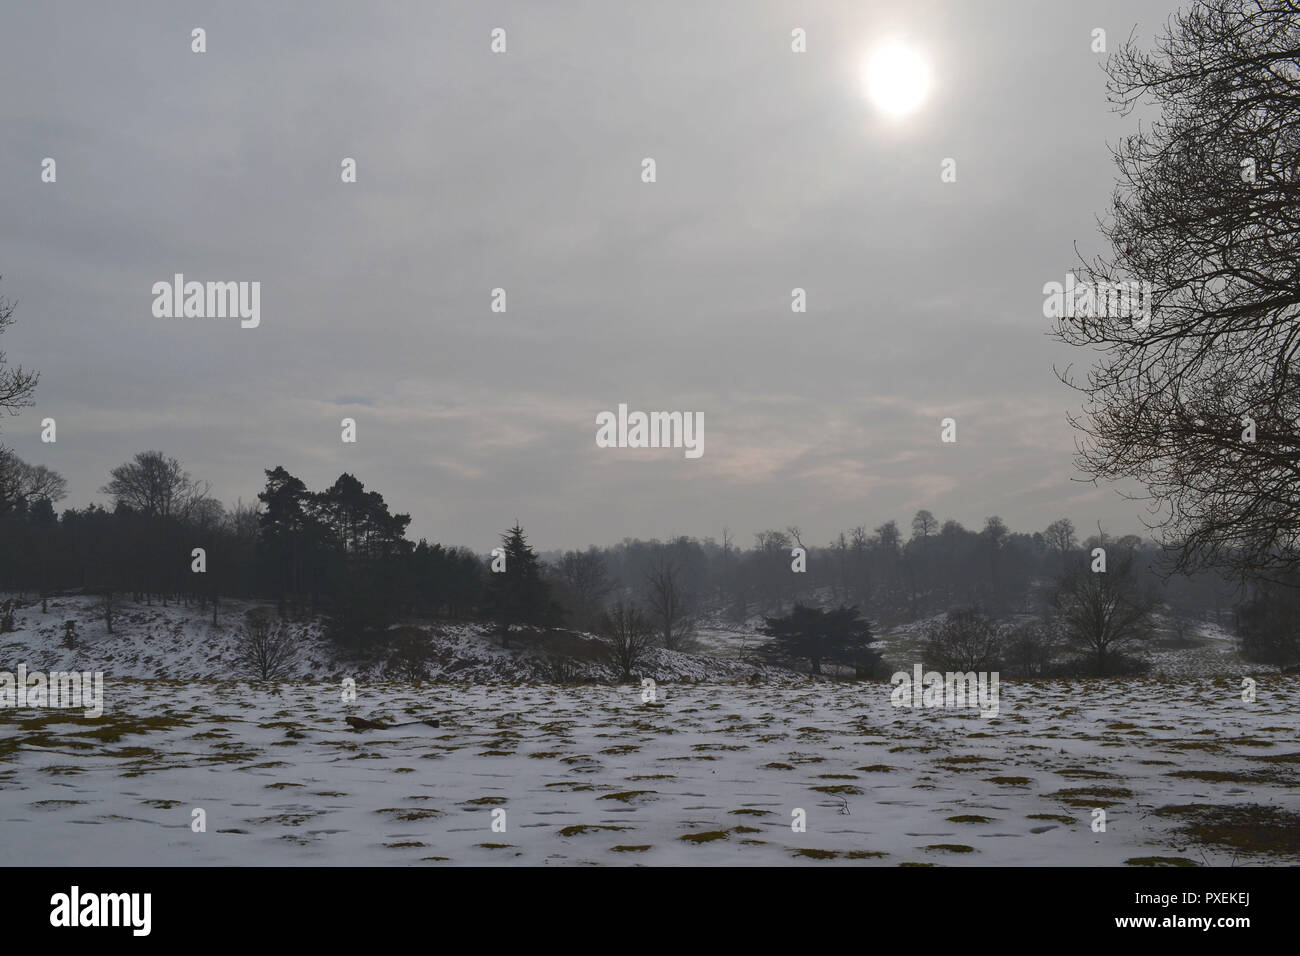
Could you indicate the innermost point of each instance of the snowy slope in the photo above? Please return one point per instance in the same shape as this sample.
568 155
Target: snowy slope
181 643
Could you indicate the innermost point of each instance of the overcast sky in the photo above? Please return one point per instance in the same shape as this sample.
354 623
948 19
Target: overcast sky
523 171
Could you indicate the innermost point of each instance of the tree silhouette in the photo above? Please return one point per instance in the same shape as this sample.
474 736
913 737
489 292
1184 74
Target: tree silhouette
17 385
519 594
838 636
1207 212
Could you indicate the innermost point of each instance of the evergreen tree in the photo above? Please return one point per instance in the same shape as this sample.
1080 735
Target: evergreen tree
518 594
282 527
838 636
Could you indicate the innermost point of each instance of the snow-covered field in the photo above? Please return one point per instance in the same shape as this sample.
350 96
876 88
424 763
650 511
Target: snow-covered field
1184 769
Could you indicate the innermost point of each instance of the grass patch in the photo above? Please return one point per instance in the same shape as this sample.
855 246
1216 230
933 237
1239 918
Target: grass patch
1159 861
626 796
1084 772
1279 758
578 829
1092 796
817 854
1250 828
410 814
1223 776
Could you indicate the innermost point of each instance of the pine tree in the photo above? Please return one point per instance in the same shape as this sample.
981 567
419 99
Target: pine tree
518 594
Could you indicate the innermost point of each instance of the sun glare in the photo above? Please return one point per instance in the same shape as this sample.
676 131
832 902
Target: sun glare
896 78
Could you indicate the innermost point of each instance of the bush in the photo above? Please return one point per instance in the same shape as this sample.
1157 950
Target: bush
965 640
1028 650
1115 664
411 656
562 670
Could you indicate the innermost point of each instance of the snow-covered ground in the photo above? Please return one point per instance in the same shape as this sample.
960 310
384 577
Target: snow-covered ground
713 772
181 643
1184 769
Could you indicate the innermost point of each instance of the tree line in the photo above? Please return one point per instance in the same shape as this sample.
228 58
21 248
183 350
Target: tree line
340 553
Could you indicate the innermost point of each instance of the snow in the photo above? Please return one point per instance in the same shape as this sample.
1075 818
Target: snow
181 643
591 774
710 773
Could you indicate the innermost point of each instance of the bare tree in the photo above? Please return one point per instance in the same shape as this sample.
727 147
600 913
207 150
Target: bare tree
1027 649
22 485
924 524
772 541
724 579
20 482
16 384
668 604
1104 612
265 649
629 635
157 486
585 575
242 522
1195 393
1060 535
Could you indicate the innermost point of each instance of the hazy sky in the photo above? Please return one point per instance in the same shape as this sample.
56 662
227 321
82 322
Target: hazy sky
523 171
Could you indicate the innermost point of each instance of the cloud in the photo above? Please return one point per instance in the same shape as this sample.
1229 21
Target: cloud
522 172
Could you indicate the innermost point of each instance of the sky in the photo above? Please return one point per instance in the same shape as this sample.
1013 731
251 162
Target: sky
523 171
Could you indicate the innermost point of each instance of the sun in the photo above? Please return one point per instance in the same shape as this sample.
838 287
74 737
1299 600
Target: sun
896 77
